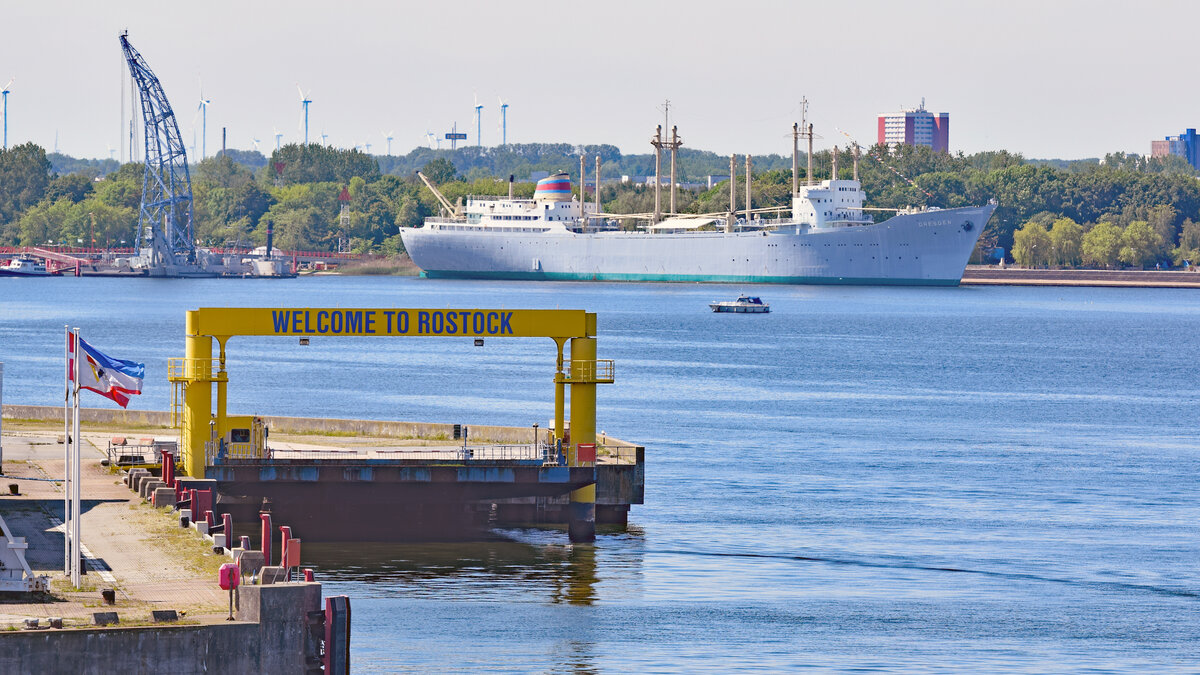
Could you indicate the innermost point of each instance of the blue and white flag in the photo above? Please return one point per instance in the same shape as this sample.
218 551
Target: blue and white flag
117 379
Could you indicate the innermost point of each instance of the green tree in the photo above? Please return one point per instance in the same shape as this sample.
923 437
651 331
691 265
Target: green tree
1066 240
322 163
1031 246
1139 244
1188 251
1101 245
74 186
24 176
439 171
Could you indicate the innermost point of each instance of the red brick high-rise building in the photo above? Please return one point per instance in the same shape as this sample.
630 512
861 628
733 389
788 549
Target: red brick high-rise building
916 127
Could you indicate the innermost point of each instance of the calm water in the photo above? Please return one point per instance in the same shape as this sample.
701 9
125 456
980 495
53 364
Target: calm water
866 479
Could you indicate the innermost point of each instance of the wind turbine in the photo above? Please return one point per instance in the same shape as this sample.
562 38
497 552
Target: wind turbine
478 108
304 101
323 136
278 136
429 138
389 137
5 92
503 121
256 142
203 110
111 150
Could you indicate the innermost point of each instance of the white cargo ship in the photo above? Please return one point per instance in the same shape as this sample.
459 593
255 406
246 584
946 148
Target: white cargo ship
827 240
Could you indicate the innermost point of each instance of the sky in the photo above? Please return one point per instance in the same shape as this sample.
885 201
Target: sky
1049 79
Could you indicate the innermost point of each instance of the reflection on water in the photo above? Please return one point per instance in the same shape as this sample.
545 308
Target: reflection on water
580 587
537 562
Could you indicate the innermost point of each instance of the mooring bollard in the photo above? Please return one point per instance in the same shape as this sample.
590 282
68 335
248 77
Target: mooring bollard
245 543
285 533
308 574
168 468
265 542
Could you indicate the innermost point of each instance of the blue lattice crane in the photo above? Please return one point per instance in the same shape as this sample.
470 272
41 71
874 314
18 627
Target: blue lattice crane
165 216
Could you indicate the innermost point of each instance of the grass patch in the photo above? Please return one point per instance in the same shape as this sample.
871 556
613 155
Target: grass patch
55 426
87 584
188 547
397 266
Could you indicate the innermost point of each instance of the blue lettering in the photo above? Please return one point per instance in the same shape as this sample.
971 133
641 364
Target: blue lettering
354 322
466 321
296 322
490 328
281 320
422 322
402 322
477 323
336 321
370 327
451 326
505 326
437 322
306 327
389 316
322 321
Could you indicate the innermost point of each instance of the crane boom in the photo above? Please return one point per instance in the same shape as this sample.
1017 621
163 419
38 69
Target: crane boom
440 197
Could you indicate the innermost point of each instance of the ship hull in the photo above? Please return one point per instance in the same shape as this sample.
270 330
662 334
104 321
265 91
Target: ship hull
929 248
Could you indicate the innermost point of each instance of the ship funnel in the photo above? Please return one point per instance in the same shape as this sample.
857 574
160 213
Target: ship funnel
556 188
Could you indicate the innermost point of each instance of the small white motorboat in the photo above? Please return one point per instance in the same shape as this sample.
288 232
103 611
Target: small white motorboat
745 304
24 267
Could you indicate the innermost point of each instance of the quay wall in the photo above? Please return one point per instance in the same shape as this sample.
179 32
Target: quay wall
269 636
297 425
1019 276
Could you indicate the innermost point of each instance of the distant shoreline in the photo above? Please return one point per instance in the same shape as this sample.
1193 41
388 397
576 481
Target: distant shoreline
988 275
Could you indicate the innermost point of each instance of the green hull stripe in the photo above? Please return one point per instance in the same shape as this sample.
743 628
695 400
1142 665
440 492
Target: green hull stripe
703 278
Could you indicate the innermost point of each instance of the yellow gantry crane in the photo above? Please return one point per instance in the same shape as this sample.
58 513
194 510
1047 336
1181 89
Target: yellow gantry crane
205 432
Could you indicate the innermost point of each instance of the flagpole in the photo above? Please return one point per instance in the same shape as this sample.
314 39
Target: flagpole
76 554
67 454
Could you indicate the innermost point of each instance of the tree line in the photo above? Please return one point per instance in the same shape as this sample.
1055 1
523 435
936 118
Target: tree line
1123 210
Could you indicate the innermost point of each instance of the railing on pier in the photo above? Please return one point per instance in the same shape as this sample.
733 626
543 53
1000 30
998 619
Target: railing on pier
617 453
543 454
216 452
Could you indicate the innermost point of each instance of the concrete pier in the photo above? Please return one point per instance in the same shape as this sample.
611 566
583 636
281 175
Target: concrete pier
149 600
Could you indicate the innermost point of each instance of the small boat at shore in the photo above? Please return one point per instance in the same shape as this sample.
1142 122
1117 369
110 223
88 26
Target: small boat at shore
745 304
24 266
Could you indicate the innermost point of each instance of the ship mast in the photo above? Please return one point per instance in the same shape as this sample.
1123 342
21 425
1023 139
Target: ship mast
676 141
657 142
795 160
747 189
732 193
